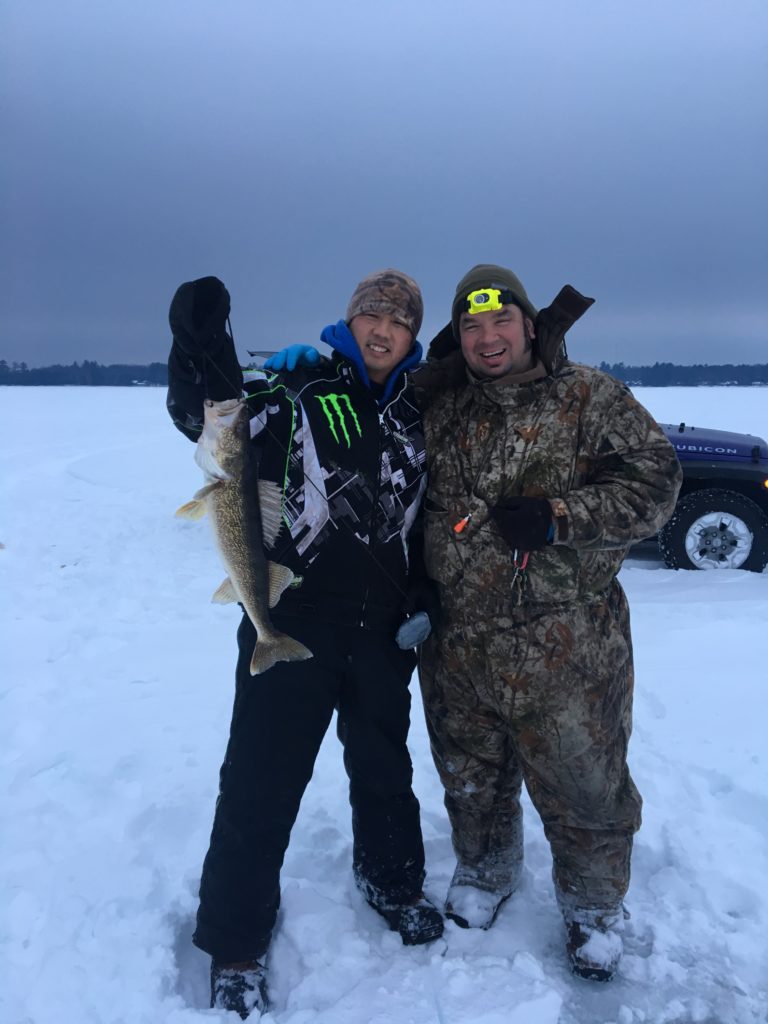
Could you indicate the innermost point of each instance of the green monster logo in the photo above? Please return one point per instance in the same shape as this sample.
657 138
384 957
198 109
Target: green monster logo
333 407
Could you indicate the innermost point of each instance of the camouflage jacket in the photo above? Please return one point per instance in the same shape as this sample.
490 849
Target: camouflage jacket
576 435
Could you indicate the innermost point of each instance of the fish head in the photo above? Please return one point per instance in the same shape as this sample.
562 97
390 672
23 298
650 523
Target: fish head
226 433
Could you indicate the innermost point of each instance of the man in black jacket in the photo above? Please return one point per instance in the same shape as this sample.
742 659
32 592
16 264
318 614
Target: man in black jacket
344 442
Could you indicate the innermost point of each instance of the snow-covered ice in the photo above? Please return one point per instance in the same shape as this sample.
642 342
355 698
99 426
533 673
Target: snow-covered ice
116 681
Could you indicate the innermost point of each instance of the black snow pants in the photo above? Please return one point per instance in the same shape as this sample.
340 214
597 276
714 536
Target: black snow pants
278 723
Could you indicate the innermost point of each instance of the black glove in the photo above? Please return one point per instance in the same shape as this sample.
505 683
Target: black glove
524 523
555 320
198 318
198 315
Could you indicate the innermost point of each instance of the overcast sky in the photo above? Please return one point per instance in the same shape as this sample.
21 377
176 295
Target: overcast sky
292 147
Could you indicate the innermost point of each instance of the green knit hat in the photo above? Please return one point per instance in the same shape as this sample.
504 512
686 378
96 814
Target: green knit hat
488 275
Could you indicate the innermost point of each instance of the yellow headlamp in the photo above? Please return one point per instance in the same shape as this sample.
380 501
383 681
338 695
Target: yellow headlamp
484 300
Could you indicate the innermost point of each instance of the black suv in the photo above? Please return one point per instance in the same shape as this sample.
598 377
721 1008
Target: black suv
721 517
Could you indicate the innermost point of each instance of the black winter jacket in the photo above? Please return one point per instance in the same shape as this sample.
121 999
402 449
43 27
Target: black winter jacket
352 476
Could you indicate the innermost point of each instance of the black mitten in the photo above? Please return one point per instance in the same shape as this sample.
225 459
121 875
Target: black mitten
198 318
555 320
524 523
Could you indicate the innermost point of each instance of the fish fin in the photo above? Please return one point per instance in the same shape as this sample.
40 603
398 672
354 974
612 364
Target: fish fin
280 577
278 647
191 510
271 506
225 593
206 490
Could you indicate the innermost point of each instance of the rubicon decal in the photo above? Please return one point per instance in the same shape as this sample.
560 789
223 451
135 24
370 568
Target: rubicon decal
706 448
336 409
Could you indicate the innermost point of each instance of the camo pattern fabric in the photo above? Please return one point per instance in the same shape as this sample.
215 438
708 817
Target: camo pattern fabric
530 677
542 696
579 436
392 292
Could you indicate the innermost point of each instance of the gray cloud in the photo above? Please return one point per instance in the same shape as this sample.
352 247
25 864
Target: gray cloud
292 149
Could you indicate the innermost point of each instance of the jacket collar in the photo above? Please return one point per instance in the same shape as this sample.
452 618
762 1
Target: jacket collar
535 372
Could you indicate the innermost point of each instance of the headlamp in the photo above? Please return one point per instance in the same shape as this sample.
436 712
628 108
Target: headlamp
484 300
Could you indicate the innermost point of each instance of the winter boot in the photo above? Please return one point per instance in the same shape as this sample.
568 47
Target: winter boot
470 907
594 943
239 987
476 895
416 922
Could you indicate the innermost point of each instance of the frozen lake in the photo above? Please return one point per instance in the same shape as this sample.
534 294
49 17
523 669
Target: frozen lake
116 686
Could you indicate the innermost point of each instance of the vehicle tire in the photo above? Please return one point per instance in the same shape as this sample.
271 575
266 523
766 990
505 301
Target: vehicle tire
716 529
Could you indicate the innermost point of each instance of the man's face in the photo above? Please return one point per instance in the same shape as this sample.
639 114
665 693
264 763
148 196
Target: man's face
497 342
383 342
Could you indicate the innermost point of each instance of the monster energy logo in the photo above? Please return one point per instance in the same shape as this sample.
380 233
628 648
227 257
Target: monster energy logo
333 407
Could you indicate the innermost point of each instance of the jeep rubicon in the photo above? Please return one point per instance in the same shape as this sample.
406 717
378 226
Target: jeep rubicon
721 517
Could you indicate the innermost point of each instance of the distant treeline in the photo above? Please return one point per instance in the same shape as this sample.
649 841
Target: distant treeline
662 375
658 375
87 372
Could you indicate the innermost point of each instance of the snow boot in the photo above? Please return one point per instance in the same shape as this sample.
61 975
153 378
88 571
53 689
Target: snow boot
477 894
416 922
470 907
239 987
594 943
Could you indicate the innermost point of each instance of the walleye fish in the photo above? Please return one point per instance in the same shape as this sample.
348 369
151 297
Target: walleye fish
246 517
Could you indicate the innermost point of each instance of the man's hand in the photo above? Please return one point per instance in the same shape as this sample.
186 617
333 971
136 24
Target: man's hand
291 357
526 524
198 316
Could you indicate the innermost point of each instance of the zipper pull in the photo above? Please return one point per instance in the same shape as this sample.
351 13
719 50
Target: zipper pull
462 524
518 576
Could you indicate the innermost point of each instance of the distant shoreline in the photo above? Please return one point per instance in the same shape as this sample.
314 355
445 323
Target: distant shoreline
92 374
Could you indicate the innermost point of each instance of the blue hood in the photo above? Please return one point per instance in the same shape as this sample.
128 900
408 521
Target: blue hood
705 444
341 340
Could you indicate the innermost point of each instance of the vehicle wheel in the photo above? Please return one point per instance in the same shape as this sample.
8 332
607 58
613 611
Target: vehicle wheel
716 529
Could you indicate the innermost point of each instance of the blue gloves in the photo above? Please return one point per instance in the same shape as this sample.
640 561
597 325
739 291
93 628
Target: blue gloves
291 357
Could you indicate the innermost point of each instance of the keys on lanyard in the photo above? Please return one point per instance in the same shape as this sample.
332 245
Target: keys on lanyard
519 565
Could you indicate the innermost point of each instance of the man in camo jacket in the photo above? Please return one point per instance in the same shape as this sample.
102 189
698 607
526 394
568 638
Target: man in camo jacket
542 472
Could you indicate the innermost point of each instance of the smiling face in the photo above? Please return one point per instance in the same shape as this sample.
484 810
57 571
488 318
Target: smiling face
497 342
383 342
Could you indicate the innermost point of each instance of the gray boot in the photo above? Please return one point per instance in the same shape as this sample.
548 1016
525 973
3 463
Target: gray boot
594 942
476 897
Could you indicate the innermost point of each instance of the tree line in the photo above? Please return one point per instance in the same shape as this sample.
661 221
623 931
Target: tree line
124 375
88 372
670 374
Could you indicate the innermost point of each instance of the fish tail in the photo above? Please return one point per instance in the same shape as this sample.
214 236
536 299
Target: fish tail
277 647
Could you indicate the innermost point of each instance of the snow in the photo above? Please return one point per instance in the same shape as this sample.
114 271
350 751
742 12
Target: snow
116 681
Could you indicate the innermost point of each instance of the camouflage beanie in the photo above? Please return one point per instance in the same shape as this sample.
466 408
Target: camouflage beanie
390 292
488 275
